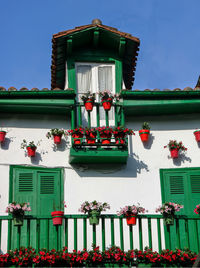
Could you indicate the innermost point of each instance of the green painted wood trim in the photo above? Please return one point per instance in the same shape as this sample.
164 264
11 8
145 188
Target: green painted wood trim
41 94
118 75
71 73
96 38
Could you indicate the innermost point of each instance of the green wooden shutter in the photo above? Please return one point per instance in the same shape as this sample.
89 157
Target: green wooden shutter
194 183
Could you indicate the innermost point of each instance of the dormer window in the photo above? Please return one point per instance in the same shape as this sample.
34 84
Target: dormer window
94 77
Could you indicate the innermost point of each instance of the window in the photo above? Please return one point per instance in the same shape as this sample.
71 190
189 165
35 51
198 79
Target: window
95 77
42 188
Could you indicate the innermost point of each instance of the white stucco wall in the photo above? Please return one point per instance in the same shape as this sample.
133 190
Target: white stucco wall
138 181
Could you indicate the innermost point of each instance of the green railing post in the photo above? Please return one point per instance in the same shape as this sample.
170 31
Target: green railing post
107 119
197 234
94 235
121 233
149 233
85 233
187 233
66 233
168 238
18 236
57 236
131 236
112 232
98 117
116 115
9 234
103 234
75 234
140 234
159 235
178 241
37 235
122 117
79 116
28 233
73 117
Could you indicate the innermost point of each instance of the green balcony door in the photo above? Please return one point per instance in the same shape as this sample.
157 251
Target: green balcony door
42 188
182 186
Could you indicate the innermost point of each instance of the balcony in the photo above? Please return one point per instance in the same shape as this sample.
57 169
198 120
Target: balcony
76 233
98 152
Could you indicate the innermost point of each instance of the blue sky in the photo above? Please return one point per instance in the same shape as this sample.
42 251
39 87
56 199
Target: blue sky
169 31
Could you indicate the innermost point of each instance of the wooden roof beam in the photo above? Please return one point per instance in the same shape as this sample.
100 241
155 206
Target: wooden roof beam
96 38
122 44
69 45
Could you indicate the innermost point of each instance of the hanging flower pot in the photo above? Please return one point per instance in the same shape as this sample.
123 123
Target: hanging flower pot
89 104
2 135
107 104
169 220
94 217
174 153
144 134
57 139
31 151
120 133
131 219
57 217
197 135
18 220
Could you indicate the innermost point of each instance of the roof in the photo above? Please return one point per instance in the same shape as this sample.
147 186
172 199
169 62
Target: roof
129 58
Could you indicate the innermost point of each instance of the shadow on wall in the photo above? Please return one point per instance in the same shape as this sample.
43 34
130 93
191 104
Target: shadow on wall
5 145
130 170
62 146
181 159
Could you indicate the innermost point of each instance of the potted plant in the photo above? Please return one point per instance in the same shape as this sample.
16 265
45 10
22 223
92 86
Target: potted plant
197 135
77 135
90 134
88 98
144 132
17 211
120 133
2 135
57 215
174 148
168 210
106 99
131 212
56 134
197 209
94 210
31 147
105 134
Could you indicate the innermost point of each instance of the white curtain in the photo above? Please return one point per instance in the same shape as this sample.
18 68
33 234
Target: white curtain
105 82
83 78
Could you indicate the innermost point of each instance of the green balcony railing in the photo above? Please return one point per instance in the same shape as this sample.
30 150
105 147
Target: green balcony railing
76 233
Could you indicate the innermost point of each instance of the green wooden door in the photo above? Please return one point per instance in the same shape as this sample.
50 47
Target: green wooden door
42 189
182 186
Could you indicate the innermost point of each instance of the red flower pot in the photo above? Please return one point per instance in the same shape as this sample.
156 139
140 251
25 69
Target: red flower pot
2 136
91 138
197 135
119 138
107 104
106 138
144 134
57 139
57 217
131 220
174 153
77 141
89 105
31 151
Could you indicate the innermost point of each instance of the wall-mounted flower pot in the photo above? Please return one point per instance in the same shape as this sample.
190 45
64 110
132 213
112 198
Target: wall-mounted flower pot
197 135
89 104
105 138
31 151
57 139
57 217
78 138
107 104
94 217
18 220
131 220
174 153
91 138
144 134
2 136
